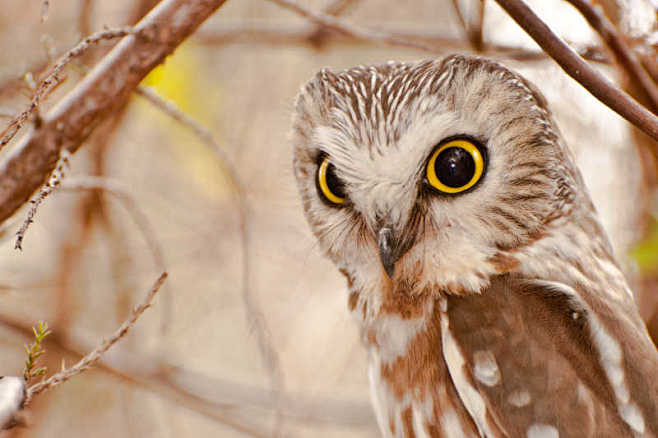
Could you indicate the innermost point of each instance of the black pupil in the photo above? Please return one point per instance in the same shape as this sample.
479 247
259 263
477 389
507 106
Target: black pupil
335 185
454 167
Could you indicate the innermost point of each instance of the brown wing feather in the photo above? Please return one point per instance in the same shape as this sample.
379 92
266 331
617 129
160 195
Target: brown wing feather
549 372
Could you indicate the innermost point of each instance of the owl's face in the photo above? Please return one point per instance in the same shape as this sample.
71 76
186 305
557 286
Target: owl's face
422 174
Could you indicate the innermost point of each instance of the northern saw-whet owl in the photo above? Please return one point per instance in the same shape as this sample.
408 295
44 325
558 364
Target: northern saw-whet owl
486 288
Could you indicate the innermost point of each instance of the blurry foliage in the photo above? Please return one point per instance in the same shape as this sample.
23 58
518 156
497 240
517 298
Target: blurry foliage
645 253
182 79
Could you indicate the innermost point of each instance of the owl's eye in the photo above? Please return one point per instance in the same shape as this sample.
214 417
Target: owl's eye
330 187
455 166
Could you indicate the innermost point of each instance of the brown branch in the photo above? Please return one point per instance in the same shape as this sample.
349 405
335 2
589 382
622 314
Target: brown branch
341 27
45 9
336 8
94 356
215 398
53 79
577 68
274 36
473 26
95 98
623 53
54 181
255 315
84 19
122 193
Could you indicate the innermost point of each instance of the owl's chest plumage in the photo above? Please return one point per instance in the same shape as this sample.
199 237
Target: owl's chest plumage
412 390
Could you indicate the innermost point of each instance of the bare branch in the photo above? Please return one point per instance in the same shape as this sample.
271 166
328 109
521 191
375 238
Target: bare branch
336 8
473 26
90 359
45 8
53 79
334 24
255 314
123 195
104 89
578 69
214 398
53 182
84 19
270 35
624 54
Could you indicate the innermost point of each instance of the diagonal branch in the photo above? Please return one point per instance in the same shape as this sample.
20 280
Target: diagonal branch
578 69
624 54
350 30
53 79
94 356
94 99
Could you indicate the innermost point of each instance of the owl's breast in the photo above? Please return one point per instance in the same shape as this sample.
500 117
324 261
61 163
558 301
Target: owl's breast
410 386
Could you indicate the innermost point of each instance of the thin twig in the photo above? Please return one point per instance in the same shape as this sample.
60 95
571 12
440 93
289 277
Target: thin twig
336 8
95 98
273 36
349 29
53 79
84 19
574 66
214 398
93 356
53 182
122 193
45 8
255 315
615 41
460 16
473 26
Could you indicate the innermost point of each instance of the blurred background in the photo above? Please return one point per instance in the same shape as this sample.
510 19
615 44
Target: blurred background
205 358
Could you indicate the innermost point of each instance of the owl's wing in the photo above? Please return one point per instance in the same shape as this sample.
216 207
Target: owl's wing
545 362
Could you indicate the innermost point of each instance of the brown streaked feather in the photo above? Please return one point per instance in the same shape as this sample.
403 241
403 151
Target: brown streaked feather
550 372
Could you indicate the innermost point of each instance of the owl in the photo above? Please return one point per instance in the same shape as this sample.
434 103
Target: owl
485 287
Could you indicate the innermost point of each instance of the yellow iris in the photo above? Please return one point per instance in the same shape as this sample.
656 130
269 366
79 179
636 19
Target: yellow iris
470 173
325 179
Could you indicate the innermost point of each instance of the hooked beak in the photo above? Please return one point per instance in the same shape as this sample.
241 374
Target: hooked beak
388 249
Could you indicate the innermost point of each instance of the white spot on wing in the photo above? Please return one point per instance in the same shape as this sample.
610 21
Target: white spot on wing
539 430
632 416
611 358
486 368
520 398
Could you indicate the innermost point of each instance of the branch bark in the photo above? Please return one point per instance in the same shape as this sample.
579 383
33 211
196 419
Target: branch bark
578 69
624 54
95 98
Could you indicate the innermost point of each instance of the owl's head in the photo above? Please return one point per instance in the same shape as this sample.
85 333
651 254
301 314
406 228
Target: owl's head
424 173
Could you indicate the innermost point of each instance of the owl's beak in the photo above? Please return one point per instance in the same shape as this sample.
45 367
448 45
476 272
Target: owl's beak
388 249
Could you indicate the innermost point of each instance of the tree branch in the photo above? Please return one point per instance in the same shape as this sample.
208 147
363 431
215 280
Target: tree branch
105 88
94 356
624 54
53 79
578 69
349 29
275 36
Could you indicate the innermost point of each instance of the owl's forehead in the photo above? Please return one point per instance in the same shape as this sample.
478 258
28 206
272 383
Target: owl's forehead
376 107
